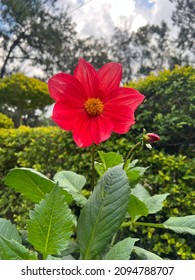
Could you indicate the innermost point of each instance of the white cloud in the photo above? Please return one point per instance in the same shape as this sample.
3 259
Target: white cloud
162 11
99 17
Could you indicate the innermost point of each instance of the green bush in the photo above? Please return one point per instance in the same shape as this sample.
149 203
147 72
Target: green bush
21 97
50 149
169 108
175 175
6 122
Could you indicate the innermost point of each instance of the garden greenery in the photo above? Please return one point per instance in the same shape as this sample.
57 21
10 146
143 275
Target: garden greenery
155 203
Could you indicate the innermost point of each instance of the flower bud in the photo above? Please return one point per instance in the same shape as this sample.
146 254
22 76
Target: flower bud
151 138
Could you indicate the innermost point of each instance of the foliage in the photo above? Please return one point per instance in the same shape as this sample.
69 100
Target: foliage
170 98
6 122
29 36
22 96
108 209
48 150
42 36
173 174
141 52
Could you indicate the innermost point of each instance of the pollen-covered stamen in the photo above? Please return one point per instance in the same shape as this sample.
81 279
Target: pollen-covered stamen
93 106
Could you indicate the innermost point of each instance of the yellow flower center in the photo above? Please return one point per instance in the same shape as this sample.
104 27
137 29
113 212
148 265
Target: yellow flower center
93 106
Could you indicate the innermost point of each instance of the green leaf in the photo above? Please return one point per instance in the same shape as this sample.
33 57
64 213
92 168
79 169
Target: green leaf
50 224
141 192
121 250
103 213
31 183
136 207
72 183
155 202
134 174
144 254
109 159
9 231
12 250
100 168
181 224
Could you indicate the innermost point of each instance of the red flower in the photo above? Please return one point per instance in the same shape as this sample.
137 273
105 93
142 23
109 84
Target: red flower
91 104
151 137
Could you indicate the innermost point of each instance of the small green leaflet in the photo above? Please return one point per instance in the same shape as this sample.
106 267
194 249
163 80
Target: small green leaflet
121 250
184 224
144 254
73 184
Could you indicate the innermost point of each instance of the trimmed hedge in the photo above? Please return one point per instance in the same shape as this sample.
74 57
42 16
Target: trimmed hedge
169 108
6 122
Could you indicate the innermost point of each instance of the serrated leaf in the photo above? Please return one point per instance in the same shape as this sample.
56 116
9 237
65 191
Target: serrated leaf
31 183
110 159
155 202
9 231
144 254
12 250
136 207
103 213
72 183
181 224
50 224
121 250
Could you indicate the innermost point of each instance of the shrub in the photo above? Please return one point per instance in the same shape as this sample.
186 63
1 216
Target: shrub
169 108
22 96
48 149
6 122
175 175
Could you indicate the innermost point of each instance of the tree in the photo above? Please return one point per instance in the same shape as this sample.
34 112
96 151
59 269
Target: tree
23 98
38 33
143 51
35 31
122 51
152 45
184 18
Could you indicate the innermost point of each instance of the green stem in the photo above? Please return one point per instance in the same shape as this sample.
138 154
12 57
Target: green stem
131 153
128 224
93 166
44 256
113 239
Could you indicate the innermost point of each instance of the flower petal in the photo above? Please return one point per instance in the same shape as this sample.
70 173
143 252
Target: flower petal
125 96
64 85
81 132
108 77
101 129
65 117
122 117
85 73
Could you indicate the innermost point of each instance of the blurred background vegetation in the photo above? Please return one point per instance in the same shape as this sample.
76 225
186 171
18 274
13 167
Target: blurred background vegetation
160 67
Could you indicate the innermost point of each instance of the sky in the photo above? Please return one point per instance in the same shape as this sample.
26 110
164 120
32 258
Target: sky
99 17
